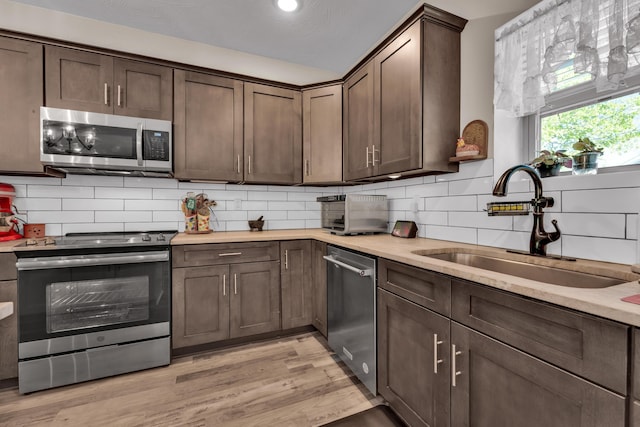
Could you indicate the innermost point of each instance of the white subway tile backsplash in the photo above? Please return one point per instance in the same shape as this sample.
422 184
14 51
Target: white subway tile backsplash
123 216
471 186
480 220
268 215
401 204
611 250
150 226
231 215
303 215
24 204
392 193
63 192
456 234
613 200
123 193
173 194
428 190
26 180
62 217
154 205
433 218
590 225
469 170
92 205
504 239
453 203
91 227
632 227
163 216
287 206
286 224
263 195
302 197
255 205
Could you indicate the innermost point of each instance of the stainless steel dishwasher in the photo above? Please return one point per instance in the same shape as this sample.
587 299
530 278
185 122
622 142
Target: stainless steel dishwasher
351 313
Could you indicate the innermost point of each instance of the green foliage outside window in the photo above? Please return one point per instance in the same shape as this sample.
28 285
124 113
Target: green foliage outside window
613 125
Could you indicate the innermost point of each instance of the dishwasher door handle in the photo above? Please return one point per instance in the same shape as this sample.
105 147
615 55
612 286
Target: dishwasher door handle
361 272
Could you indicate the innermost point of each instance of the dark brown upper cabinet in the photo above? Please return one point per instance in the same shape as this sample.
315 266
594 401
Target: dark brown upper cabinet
87 81
272 134
20 101
208 122
322 135
402 107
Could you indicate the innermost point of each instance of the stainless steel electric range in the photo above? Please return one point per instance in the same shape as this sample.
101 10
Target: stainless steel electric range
92 305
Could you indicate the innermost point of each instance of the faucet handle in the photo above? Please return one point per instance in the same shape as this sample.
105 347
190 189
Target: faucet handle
543 202
554 235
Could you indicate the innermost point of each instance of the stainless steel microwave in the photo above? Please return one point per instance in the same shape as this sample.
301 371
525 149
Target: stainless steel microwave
354 213
83 142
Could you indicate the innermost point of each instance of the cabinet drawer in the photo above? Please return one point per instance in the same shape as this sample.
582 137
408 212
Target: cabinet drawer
8 267
224 253
593 348
425 288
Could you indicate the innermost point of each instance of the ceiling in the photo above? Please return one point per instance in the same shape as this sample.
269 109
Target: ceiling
325 34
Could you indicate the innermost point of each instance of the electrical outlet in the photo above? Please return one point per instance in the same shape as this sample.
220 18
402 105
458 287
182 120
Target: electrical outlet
237 204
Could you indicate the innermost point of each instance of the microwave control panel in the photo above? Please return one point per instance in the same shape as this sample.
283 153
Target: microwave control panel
156 145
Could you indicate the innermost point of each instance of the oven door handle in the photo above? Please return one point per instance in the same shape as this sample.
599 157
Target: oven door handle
42 263
357 270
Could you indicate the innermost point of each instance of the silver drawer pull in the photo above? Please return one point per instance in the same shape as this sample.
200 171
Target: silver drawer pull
224 285
106 94
454 372
436 361
235 284
230 254
359 271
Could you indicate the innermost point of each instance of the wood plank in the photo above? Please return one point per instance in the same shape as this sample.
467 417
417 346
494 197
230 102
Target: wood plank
292 381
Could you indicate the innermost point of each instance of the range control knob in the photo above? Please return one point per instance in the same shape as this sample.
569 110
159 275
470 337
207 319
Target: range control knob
161 238
146 238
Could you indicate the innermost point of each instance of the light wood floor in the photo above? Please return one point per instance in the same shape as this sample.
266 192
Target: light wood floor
287 382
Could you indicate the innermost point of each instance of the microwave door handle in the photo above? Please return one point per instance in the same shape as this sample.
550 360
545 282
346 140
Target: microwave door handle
139 142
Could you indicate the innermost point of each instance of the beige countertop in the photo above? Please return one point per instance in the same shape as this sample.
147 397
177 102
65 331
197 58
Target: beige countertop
6 309
601 302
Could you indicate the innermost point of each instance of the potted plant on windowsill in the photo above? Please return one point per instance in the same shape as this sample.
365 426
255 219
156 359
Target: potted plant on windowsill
585 162
549 164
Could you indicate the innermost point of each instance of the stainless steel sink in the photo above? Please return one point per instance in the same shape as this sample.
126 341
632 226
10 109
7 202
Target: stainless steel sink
540 273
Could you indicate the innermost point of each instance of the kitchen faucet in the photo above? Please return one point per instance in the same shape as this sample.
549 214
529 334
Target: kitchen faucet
539 237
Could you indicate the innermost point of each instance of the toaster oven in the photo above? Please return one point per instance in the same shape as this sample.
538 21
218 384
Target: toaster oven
347 214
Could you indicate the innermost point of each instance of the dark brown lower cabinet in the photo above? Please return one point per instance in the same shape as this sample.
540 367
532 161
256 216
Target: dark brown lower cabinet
497 385
413 361
319 287
218 302
295 280
255 298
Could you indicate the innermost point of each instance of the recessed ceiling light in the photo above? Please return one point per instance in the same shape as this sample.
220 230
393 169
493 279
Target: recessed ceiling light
288 5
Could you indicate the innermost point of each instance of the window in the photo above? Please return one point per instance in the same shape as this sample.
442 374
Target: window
612 123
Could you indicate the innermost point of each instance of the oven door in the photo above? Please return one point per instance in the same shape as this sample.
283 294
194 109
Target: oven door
72 302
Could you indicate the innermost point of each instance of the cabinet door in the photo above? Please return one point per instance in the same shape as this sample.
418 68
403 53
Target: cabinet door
413 360
255 298
78 80
319 287
497 385
142 90
20 100
200 305
207 127
272 134
9 331
398 104
358 124
322 134
295 281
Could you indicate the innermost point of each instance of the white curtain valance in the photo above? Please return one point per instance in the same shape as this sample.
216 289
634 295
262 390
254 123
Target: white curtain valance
558 44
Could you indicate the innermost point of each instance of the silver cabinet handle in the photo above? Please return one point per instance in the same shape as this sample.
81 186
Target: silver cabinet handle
454 372
238 163
249 164
224 285
357 270
235 284
306 163
230 254
106 94
367 157
286 259
373 156
436 361
119 96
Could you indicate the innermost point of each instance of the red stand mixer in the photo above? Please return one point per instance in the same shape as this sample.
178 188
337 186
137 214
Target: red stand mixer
8 222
